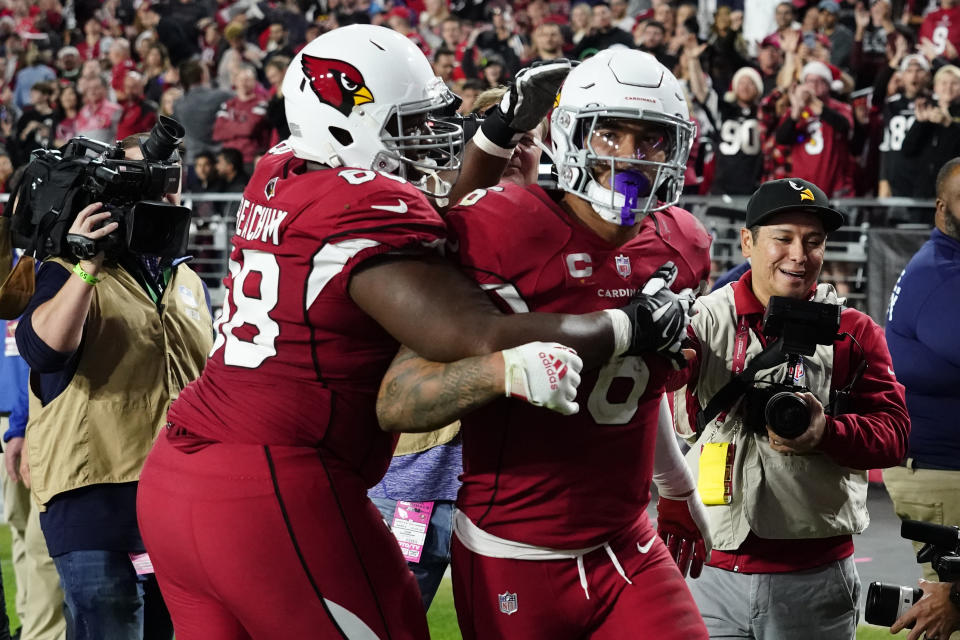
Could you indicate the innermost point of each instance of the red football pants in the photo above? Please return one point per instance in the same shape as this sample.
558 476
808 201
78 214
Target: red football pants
551 603
251 542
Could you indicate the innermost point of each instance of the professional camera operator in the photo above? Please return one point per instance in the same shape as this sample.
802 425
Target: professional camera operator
782 508
111 337
936 615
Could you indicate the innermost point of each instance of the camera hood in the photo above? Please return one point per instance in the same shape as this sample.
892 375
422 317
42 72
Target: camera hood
157 229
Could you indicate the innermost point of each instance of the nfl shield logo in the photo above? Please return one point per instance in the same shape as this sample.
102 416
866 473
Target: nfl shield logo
508 602
623 265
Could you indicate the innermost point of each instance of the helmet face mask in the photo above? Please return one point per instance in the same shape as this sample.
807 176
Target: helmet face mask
371 112
615 100
418 147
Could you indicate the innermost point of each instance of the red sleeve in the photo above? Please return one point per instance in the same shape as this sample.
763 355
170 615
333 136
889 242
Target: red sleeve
873 434
476 231
356 222
690 373
926 27
385 206
222 125
696 241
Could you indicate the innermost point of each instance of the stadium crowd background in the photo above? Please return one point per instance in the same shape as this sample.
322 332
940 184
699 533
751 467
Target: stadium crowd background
860 98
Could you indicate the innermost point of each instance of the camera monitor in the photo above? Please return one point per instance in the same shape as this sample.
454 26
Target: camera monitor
802 324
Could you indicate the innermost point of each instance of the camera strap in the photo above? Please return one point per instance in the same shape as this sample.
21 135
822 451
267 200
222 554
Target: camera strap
721 401
838 404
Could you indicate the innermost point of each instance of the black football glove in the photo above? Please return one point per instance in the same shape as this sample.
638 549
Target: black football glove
660 317
527 101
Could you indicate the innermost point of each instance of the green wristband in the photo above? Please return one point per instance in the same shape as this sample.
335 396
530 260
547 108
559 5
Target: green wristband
86 277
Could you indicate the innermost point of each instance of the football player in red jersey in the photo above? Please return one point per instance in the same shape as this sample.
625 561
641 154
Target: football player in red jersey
253 502
552 540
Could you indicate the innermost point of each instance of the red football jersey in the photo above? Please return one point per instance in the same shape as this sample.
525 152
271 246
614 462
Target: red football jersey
823 155
295 361
530 474
942 26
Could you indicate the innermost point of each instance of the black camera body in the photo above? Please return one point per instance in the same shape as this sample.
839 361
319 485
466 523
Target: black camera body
887 602
776 404
798 326
58 183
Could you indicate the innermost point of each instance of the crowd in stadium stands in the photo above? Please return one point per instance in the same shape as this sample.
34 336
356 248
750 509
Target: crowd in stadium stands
845 94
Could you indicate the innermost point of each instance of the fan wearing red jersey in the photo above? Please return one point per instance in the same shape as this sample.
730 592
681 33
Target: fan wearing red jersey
253 502
552 538
818 130
941 29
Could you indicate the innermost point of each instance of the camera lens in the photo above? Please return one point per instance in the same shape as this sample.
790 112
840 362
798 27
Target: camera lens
787 414
887 602
164 138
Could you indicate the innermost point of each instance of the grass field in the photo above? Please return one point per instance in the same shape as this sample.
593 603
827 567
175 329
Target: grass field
442 618
9 584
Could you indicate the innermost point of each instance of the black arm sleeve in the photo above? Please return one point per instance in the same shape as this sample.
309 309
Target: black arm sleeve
786 130
917 138
835 120
879 97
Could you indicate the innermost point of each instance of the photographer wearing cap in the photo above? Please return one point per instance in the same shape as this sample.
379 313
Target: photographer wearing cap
783 503
112 333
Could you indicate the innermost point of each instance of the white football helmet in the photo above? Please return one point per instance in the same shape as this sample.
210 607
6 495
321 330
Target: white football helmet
618 85
358 96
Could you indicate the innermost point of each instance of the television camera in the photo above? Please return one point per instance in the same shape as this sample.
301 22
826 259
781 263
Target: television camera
58 183
941 548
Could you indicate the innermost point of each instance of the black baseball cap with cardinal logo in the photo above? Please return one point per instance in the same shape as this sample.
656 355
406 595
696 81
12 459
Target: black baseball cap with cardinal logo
791 194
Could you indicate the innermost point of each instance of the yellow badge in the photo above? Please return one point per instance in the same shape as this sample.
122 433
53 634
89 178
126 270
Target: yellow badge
806 194
716 473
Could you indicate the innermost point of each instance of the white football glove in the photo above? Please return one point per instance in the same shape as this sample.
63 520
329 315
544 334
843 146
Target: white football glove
545 374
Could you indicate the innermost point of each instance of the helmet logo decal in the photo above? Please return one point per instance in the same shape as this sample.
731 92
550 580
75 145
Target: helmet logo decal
336 83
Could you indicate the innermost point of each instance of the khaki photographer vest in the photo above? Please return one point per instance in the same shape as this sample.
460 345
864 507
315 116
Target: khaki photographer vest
134 363
775 495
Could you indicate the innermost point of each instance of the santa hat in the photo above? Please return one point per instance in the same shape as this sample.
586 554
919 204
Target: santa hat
914 58
823 70
744 72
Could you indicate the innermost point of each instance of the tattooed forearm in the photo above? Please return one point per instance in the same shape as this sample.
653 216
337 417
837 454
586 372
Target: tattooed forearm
419 395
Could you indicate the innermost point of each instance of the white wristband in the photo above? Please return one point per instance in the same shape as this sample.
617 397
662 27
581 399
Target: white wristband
484 144
622 328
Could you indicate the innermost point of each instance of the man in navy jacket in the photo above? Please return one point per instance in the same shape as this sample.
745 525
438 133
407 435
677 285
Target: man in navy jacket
925 347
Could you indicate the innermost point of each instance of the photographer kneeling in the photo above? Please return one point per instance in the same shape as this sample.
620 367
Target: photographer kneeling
786 428
116 327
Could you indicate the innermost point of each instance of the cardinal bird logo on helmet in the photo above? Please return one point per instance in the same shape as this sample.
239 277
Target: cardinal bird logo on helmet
336 83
